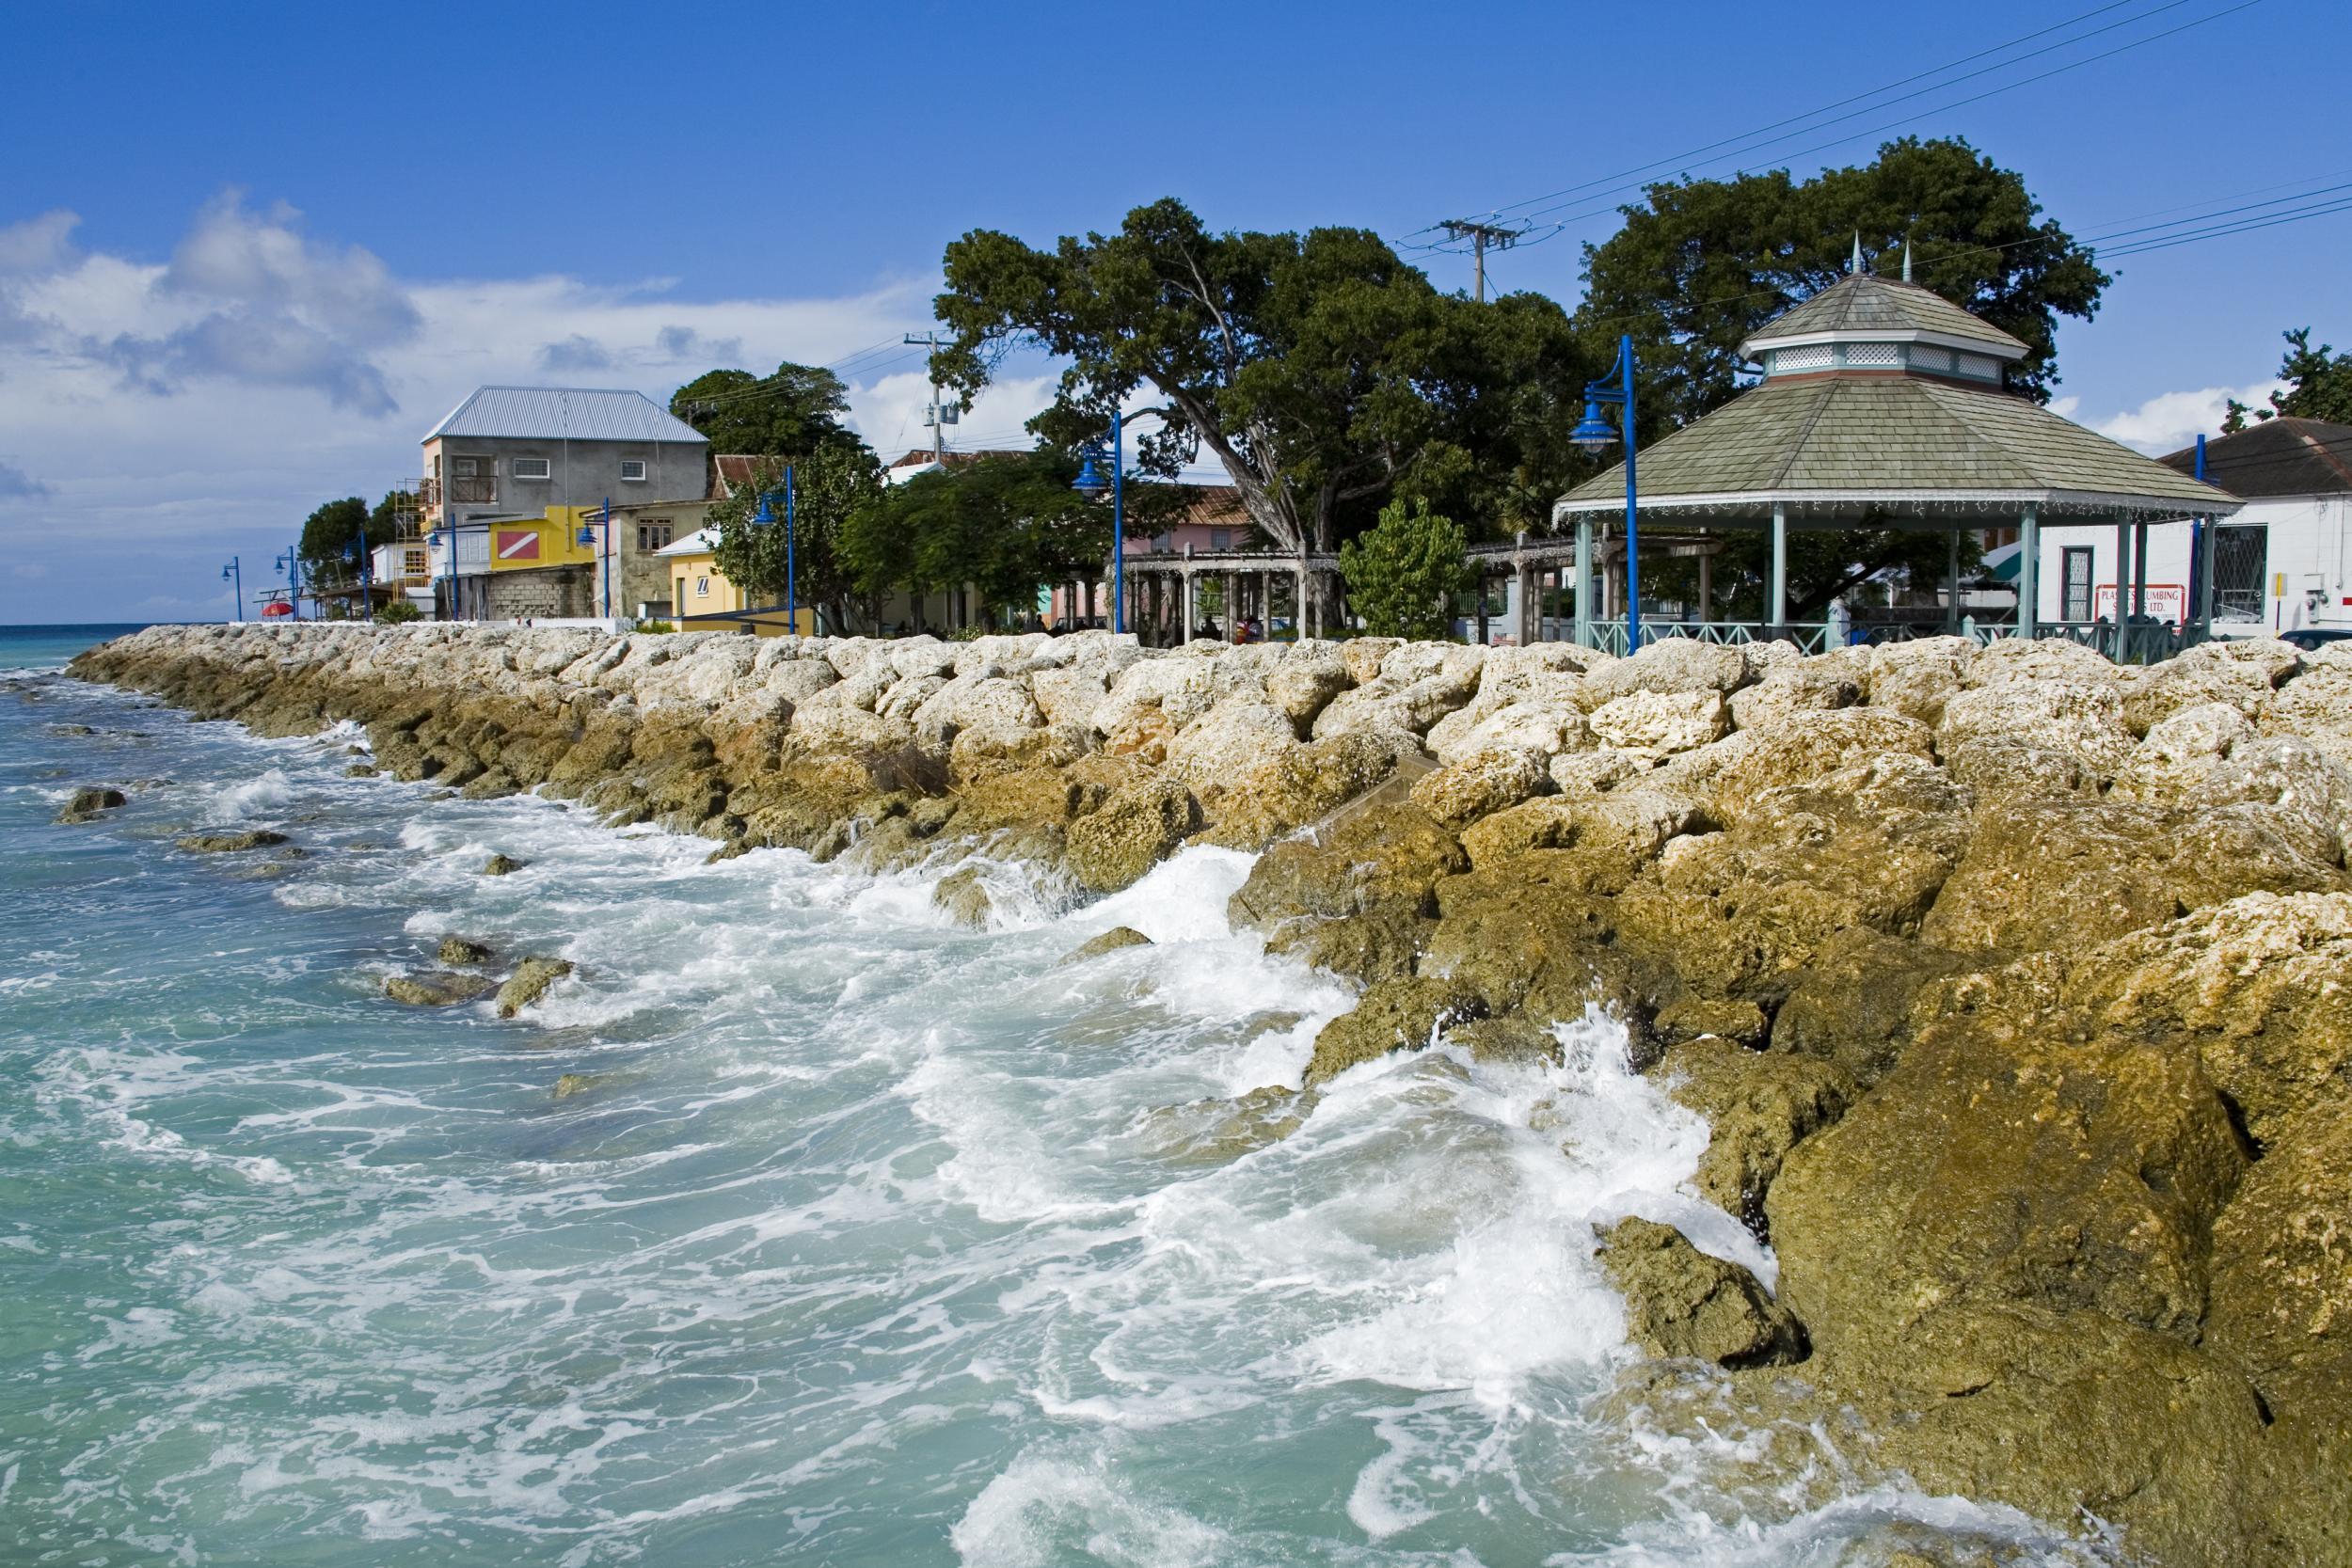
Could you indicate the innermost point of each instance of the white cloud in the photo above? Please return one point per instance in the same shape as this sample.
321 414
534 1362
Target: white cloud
182 410
2171 421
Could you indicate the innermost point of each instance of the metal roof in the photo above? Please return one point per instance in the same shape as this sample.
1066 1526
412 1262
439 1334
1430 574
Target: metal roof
1860 305
564 413
1910 445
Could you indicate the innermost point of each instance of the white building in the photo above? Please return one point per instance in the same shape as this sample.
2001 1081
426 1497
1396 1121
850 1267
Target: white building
2280 564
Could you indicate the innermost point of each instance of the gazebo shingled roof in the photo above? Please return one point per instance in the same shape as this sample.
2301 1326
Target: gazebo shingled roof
1884 397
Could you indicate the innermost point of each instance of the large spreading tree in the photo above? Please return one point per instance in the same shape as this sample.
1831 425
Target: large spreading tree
1325 375
793 413
1702 264
329 530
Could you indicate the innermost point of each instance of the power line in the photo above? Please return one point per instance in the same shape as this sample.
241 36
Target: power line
1937 109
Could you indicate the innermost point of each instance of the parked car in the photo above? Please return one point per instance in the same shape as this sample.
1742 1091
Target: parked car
2311 638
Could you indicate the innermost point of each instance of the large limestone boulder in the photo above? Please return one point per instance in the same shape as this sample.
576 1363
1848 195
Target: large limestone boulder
1917 679
1677 665
1830 681
2002 1161
1758 1105
1113 846
1419 684
1660 723
1680 1302
1151 703
2074 873
1231 745
1303 685
1394 1015
2317 703
2013 660
2254 988
1479 785
2078 720
1549 720
1382 857
2240 674
1802 748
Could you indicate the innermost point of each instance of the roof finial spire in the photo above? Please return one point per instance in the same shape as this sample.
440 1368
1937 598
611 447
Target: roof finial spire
1906 257
1854 268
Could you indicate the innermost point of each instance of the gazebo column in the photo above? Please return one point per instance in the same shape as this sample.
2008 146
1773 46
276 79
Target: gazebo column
1584 581
2123 589
1776 588
2139 570
1298 604
1187 607
1521 586
2204 573
1706 579
2030 572
1952 579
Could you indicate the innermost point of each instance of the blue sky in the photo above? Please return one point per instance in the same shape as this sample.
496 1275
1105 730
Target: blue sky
249 254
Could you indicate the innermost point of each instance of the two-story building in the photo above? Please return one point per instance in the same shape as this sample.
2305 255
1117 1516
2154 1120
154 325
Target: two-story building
521 455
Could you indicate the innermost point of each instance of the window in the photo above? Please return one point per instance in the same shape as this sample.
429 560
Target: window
2075 575
633 468
473 480
533 467
702 588
654 535
1220 538
412 563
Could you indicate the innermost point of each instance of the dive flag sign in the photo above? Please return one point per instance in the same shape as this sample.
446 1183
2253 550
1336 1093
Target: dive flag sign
519 543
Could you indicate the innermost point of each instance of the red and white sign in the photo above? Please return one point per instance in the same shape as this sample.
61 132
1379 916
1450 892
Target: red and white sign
517 543
2167 601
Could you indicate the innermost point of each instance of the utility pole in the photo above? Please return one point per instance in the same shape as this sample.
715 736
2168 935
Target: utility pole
940 414
1481 235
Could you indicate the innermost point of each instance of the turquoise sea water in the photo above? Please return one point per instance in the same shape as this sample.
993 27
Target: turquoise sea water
856 1242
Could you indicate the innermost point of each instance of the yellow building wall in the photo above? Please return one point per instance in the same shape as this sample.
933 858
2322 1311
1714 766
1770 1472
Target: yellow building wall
698 589
550 540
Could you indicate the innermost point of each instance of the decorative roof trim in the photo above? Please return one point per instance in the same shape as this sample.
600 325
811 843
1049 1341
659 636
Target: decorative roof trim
1992 348
2101 506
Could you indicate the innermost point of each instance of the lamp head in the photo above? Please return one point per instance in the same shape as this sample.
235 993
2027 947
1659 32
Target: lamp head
1594 432
587 535
224 574
1090 482
766 515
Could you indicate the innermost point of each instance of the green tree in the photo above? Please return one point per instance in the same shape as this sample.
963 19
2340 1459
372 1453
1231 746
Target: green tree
1321 371
2319 386
793 413
384 517
1704 263
327 531
827 486
1403 574
1007 524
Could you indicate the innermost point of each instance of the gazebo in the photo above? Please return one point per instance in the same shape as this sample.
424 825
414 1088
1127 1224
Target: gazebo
1882 405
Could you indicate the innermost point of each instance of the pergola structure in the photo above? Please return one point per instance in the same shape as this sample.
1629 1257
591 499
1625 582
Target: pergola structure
1883 405
1164 590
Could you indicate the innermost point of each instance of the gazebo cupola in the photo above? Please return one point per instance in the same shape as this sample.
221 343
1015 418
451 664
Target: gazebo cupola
1868 325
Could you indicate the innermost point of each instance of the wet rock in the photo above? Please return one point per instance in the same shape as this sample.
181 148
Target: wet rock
89 801
1504 1039
501 864
1758 1105
1109 942
360 770
573 1084
226 844
1112 846
529 983
1697 1017
461 950
1679 1302
963 895
1216 1131
1377 858
437 989
1392 1015
2007 1158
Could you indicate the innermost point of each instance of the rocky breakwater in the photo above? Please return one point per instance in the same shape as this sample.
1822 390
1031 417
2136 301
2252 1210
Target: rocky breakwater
2011 983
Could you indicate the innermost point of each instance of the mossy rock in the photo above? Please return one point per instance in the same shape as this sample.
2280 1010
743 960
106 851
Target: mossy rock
529 983
441 990
1680 1302
1117 936
501 864
460 950
230 844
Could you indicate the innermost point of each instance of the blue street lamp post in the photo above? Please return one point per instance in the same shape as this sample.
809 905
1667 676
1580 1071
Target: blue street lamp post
289 561
1090 484
234 573
1592 434
766 517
